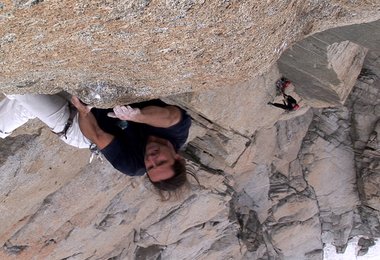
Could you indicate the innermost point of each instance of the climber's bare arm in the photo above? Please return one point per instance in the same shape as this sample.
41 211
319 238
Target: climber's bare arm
151 115
89 126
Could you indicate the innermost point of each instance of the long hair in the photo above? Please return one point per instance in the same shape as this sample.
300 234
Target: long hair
172 186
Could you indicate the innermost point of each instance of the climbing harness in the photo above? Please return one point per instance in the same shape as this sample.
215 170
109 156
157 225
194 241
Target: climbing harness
73 112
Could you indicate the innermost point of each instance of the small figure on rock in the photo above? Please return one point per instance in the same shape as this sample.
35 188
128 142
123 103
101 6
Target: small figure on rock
141 138
282 84
289 103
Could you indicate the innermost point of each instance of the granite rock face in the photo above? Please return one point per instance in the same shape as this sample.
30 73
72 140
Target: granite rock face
324 67
281 193
273 184
119 51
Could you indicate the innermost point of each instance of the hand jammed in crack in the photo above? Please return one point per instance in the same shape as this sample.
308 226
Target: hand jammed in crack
125 113
80 106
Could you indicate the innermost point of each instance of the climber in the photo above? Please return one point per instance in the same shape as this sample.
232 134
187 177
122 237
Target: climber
148 141
289 103
282 84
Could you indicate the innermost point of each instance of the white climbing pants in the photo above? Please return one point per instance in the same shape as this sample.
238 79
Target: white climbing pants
53 110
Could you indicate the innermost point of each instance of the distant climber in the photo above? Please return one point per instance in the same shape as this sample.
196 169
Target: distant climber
137 139
289 103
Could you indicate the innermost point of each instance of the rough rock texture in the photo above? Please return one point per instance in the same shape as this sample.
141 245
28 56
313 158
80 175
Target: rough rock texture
321 61
119 51
365 131
282 192
273 185
323 66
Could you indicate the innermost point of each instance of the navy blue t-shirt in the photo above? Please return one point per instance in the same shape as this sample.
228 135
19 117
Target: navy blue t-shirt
127 149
